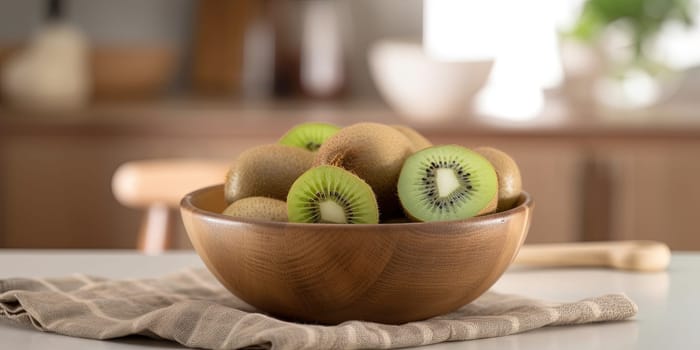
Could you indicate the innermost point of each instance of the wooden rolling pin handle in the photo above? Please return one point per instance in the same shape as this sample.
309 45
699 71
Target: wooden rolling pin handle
644 256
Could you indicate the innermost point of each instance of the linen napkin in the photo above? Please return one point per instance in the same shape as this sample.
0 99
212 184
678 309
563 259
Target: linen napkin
192 308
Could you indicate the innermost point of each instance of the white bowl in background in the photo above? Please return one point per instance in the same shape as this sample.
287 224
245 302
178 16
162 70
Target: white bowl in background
423 89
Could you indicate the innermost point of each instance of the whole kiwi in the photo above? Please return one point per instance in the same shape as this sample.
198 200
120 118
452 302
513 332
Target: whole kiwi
266 171
261 208
418 141
374 152
509 181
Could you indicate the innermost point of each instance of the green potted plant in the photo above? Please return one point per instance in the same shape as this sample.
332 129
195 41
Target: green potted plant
623 32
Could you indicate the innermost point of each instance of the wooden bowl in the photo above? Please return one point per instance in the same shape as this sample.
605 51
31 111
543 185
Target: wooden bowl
330 273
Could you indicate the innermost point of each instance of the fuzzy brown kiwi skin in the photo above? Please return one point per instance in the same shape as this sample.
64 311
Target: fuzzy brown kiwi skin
509 181
418 141
260 208
374 152
266 171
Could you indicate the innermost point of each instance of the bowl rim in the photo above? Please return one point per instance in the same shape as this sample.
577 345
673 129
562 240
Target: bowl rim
526 202
416 44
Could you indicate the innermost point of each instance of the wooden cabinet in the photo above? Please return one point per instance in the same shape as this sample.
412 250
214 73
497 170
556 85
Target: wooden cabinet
56 191
553 175
588 183
656 193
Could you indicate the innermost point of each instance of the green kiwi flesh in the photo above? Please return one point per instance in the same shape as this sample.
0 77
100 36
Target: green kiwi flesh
329 194
448 182
261 208
266 171
308 135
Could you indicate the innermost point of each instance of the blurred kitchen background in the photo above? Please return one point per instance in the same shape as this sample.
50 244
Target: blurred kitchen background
597 100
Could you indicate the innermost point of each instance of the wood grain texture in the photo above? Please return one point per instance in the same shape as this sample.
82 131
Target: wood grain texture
597 192
656 193
326 273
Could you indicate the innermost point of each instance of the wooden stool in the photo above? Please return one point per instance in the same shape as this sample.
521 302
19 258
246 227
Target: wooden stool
158 186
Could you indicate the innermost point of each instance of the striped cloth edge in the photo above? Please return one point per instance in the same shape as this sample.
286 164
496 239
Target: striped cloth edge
191 308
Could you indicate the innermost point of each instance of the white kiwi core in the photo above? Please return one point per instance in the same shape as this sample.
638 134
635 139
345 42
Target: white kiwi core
446 181
332 212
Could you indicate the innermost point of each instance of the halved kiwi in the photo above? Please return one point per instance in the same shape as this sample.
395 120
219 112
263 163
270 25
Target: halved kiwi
262 208
448 182
329 194
308 135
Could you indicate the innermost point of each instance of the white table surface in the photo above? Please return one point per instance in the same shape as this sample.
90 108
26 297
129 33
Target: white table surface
669 302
